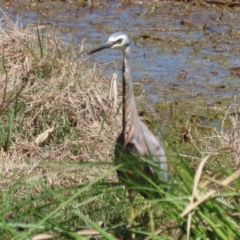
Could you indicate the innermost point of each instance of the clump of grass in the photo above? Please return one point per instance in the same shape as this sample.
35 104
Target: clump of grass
57 93
230 137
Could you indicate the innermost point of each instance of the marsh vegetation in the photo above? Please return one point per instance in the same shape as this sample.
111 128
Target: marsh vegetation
59 117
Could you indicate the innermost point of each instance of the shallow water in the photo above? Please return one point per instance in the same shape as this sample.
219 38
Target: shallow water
173 61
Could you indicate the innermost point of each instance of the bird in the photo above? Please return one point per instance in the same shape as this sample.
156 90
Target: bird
139 151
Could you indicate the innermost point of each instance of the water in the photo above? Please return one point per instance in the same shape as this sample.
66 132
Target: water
172 61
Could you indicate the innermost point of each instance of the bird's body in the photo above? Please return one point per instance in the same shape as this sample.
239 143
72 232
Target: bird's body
136 148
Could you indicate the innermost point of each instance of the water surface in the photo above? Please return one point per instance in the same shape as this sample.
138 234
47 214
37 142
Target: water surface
181 51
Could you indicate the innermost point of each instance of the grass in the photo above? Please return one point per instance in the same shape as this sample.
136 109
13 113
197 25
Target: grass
58 124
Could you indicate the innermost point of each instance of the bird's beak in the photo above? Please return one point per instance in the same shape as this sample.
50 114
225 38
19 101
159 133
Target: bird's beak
104 46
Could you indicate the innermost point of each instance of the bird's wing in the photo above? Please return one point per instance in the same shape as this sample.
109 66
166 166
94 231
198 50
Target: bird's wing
150 148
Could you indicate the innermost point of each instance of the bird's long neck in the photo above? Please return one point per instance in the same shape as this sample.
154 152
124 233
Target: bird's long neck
130 116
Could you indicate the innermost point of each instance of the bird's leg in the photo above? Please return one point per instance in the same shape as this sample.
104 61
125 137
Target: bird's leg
131 215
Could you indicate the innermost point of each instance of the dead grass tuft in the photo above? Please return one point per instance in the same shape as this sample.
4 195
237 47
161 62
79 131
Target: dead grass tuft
225 140
58 93
230 136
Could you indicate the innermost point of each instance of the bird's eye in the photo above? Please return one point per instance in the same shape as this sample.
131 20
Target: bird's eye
119 41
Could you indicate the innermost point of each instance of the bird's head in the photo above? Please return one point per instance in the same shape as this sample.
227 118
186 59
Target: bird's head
117 40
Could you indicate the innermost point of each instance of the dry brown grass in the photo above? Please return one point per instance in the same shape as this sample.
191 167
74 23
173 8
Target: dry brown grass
230 136
58 93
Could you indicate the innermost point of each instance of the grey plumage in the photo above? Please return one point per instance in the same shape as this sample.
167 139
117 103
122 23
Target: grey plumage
141 153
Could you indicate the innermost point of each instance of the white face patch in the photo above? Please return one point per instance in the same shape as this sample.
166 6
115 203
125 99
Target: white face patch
120 39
